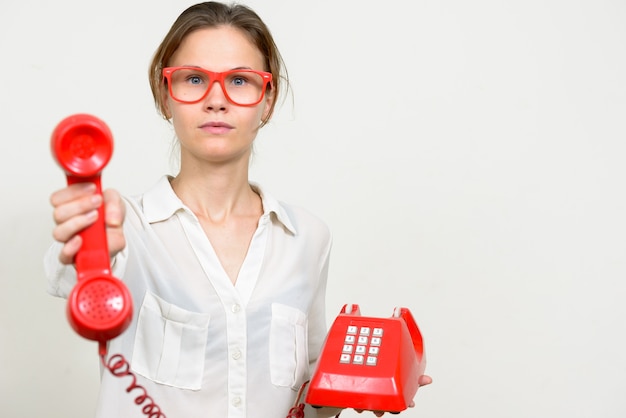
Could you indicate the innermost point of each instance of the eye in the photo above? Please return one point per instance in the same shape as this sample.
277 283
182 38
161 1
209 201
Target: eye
194 79
239 81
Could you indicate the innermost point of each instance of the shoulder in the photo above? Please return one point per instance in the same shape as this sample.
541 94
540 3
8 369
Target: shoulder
294 218
303 220
157 204
308 234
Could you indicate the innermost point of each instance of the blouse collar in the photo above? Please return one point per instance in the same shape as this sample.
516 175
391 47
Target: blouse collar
161 203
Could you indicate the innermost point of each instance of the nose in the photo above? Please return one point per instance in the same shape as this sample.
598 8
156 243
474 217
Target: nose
215 99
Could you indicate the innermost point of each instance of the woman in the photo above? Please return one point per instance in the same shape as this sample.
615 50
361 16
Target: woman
228 282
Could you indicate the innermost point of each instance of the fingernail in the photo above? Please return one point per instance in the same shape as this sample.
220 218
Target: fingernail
113 219
92 215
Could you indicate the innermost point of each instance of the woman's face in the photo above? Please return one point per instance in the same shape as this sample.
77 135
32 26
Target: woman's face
214 129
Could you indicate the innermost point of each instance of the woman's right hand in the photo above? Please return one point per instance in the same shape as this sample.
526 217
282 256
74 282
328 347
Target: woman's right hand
75 208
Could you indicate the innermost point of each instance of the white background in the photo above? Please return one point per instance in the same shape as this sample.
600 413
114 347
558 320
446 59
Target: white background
468 156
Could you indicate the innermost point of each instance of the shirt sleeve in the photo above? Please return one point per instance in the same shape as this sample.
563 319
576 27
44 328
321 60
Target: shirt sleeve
62 277
317 315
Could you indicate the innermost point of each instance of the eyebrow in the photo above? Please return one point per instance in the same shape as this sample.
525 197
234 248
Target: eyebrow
202 68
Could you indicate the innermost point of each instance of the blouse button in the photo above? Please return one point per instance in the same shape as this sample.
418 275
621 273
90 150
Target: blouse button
236 401
235 308
236 354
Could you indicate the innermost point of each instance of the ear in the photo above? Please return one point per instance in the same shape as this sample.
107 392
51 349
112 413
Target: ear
269 103
165 96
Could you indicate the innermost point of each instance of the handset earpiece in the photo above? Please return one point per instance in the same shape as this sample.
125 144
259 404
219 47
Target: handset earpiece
99 307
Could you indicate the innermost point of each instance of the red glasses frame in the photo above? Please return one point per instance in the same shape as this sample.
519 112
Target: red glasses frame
219 78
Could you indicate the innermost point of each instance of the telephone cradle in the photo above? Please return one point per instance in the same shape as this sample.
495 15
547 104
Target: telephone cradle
369 363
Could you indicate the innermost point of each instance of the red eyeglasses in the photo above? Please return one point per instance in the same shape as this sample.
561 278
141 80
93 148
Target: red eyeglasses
243 87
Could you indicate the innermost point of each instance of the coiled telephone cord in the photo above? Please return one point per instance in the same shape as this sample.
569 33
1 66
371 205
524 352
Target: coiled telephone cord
297 411
119 367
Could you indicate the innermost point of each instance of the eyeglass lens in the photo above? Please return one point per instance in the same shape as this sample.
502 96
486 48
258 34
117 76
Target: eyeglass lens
241 87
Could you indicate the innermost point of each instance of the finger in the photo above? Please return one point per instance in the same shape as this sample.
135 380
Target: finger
78 206
70 249
115 211
72 192
116 240
424 380
114 208
377 413
63 232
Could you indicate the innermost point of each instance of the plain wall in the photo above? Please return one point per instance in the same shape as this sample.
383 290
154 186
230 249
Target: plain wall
468 156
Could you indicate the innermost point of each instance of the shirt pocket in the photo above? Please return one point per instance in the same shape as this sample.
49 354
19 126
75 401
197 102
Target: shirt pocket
289 358
170 344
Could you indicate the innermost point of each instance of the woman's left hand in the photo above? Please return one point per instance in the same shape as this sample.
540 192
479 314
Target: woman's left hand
422 381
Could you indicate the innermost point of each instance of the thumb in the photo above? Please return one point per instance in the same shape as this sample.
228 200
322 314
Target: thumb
114 209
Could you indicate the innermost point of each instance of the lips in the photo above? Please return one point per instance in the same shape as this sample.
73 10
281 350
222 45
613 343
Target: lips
216 127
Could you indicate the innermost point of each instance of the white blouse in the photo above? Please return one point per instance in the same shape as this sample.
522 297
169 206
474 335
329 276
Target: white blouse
201 346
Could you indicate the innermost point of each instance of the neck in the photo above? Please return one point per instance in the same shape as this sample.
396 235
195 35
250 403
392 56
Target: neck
216 191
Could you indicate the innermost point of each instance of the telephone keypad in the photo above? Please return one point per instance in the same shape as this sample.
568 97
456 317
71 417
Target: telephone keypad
364 342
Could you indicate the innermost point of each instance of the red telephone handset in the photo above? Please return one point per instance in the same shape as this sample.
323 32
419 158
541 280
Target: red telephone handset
100 306
369 363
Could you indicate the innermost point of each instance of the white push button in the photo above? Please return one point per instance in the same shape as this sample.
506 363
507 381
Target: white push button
371 361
